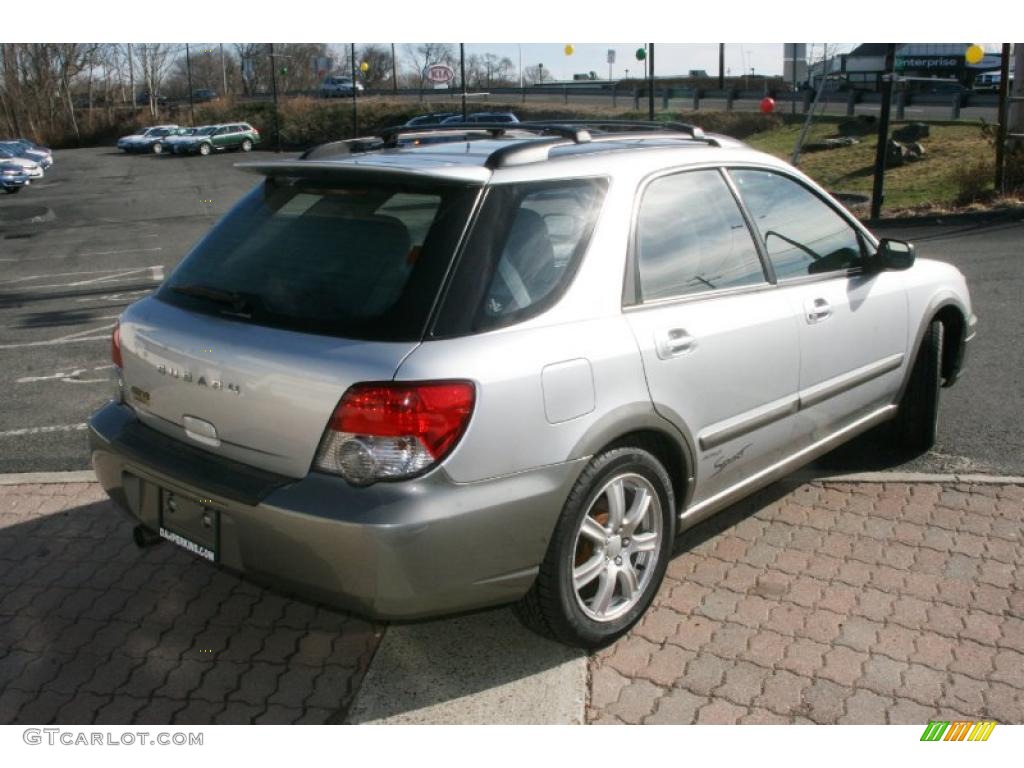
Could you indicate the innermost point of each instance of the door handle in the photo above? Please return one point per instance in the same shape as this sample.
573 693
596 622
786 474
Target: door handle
817 310
673 343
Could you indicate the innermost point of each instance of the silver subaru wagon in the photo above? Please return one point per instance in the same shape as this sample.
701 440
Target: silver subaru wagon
457 367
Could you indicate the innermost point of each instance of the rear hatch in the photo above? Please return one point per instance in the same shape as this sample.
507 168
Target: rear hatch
309 285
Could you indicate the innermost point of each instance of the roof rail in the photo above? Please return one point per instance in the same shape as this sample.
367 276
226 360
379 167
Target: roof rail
549 136
566 130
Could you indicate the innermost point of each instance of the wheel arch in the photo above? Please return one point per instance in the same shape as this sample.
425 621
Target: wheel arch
640 425
951 311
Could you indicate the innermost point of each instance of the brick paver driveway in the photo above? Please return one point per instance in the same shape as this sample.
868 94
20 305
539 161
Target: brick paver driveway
94 630
833 603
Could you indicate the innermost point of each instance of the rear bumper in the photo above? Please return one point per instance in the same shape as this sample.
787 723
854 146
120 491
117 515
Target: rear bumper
392 550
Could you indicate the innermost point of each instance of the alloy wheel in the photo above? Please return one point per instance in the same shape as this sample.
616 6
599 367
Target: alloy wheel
616 548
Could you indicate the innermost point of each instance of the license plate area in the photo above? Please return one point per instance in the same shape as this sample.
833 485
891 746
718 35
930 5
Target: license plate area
190 523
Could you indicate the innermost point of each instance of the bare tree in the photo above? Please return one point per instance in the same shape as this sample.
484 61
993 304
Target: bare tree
155 60
378 65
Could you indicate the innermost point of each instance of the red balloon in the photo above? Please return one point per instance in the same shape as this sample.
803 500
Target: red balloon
767 104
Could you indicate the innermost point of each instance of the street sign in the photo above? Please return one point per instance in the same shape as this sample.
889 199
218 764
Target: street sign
611 55
438 74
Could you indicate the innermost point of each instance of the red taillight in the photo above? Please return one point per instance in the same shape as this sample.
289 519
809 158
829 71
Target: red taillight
115 346
394 430
434 413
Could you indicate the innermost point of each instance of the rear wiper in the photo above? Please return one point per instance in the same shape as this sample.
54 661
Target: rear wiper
240 304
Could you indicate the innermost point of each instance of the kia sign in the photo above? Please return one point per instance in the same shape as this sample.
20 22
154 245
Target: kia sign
439 74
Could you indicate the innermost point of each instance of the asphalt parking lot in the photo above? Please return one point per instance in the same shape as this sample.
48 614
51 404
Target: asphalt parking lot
103 228
100 231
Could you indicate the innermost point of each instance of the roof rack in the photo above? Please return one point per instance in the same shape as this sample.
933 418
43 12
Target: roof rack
550 135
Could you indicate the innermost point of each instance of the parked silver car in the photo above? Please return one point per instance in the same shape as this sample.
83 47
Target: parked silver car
26 149
422 379
30 168
13 177
147 138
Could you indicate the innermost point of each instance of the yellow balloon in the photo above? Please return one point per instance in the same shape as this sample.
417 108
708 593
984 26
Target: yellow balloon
364 67
569 49
975 54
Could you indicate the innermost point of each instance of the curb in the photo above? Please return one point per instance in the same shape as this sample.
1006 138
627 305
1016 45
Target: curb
46 478
905 477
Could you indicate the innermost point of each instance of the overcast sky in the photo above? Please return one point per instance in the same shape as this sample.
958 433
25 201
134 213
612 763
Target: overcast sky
670 59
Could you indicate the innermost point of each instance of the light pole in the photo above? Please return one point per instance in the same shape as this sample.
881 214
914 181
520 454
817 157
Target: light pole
273 88
355 114
191 104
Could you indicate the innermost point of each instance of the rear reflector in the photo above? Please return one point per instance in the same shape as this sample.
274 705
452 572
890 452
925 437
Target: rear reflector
392 430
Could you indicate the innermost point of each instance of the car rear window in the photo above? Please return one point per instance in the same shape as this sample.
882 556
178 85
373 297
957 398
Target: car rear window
345 258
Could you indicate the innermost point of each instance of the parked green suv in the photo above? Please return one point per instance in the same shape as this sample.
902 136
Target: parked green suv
219 138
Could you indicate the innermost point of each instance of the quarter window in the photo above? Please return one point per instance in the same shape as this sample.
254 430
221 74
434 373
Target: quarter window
691 238
802 233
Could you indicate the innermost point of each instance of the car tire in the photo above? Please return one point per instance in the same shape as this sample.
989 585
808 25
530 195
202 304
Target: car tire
205 149
158 148
571 600
247 145
916 426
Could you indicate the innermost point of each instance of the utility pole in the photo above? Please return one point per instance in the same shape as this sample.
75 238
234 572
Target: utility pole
191 104
355 112
721 66
131 74
878 189
394 71
223 71
650 82
273 88
462 77
1004 116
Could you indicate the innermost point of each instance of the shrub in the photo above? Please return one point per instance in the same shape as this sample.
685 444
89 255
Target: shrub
973 180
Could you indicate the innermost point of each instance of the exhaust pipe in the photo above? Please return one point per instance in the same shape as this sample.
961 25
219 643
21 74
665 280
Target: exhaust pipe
145 537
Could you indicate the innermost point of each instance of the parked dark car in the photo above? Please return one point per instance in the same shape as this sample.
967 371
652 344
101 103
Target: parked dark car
203 94
433 118
482 117
142 99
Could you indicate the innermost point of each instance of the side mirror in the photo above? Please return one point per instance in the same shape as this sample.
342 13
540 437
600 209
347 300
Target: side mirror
894 254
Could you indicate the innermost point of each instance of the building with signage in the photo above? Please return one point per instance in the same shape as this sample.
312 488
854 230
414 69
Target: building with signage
863 67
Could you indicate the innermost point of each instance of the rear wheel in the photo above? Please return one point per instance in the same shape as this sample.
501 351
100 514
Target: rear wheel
608 554
205 149
247 145
916 426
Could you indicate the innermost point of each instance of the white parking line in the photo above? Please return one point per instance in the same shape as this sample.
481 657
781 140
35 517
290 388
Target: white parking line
86 255
71 377
44 430
71 338
156 274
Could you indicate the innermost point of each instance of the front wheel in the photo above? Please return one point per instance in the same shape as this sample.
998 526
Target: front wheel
205 149
247 146
916 426
608 554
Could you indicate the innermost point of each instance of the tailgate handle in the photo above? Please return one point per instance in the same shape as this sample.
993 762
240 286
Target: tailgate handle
201 431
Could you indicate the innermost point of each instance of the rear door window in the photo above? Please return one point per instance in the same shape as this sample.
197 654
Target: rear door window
691 238
358 260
